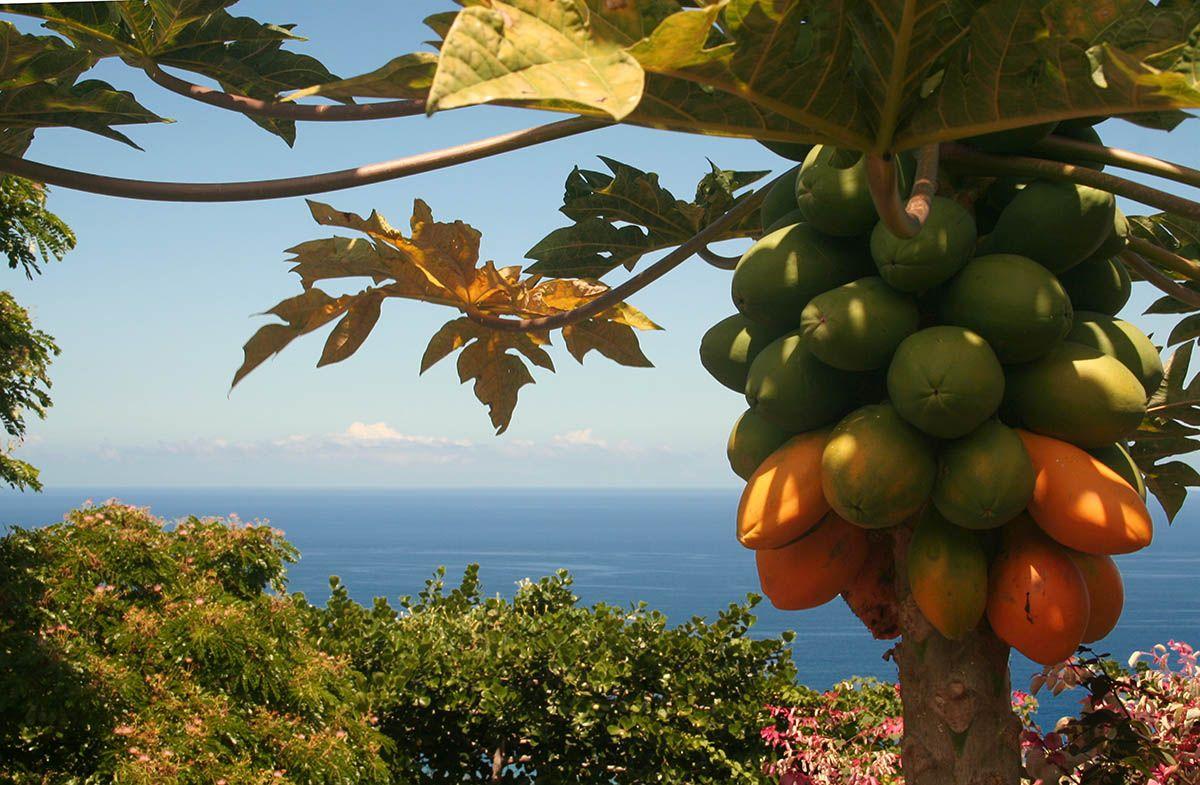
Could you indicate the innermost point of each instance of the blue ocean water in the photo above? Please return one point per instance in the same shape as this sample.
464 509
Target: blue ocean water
673 549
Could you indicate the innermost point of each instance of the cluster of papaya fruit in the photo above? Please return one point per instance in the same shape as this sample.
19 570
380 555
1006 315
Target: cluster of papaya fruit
972 382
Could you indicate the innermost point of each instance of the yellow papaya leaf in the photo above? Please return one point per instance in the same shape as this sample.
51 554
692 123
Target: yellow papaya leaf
617 342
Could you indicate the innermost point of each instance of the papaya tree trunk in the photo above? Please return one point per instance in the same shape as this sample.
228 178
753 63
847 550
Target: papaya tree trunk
959 726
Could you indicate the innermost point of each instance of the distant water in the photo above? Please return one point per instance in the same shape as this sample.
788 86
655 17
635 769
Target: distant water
673 549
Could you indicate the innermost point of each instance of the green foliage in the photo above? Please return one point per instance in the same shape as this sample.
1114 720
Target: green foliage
25 356
137 653
28 231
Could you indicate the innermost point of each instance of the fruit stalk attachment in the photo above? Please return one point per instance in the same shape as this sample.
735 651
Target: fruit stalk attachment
903 218
720 261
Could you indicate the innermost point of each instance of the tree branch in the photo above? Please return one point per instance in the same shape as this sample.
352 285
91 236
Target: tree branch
1125 159
965 159
903 219
281 109
1160 281
296 186
1172 261
720 261
622 292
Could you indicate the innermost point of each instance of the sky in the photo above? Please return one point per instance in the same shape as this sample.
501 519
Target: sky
152 308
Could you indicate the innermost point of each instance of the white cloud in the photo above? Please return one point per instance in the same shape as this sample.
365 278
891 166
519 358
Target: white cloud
580 438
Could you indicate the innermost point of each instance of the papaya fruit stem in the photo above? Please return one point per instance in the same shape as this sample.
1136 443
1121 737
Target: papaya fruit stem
720 261
964 159
1125 159
1168 259
1160 281
903 218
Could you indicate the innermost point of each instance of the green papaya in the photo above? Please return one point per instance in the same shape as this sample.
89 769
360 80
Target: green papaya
1056 224
1018 307
833 194
787 219
1116 240
780 273
1013 140
1116 457
877 470
947 575
945 380
940 249
857 326
780 199
1077 394
793 151
1080 132
793 390
993 201
985 479
730 345
751 441
1098 284
1121 340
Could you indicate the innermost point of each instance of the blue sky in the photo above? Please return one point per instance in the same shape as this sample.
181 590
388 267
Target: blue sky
153 307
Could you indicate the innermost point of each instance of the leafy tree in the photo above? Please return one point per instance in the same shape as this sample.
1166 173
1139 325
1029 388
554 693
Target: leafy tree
25 356
879 80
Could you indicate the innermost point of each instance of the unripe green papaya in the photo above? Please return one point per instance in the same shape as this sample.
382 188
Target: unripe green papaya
793 390
1018 307
1121 340
985 479
1098 284
751 441
877 470
832 190
940 249
1081 132
1057 225
857 326
780 199
787 219
1077 394
948 575
1014 140
945 380
1115 241
780 273
793 151
730 345
1116 457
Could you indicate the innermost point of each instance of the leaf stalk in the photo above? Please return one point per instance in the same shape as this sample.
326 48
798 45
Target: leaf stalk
1168 259
1156 278
903 218
1126 159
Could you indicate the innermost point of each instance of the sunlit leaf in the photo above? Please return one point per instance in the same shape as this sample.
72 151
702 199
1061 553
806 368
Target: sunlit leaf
408 76
615 341
353 329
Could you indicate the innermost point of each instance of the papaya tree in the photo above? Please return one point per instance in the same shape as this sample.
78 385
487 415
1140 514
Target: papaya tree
947 424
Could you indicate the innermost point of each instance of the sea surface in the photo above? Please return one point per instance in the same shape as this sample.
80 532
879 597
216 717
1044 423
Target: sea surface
674 549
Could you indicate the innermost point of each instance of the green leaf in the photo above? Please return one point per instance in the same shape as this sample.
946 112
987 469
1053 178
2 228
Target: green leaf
536 51
1187 329
1168 482
408 76
91 105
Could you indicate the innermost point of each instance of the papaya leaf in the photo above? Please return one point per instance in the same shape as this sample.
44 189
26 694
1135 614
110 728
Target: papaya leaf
615 341
1175 233
651 218
438 262
1187 329
1168 482
408 76
535 50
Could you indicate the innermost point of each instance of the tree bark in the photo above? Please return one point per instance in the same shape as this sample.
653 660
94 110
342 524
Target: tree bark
959 726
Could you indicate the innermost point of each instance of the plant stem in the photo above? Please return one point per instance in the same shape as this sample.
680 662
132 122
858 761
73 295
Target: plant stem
623 291
296 186
965 159
281 109
903 219
720 261
1125 159
1156 278
1172 261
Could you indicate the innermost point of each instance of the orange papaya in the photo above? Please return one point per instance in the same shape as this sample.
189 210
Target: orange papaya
947 574
1037 598
871 594
783 499
1106 591
814 569
1081 502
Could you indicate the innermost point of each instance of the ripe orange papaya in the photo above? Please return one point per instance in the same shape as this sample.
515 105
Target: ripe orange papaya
872 592
814 569
1037 598
1106 591
783 499
1081 502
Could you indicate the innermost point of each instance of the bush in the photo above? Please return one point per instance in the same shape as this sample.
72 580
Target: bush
131 652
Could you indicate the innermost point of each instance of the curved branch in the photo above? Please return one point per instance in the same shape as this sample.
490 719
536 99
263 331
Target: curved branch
623 291
1168 259
280 109
903 219
296 186
965 159
720 261
1156 278
1125 159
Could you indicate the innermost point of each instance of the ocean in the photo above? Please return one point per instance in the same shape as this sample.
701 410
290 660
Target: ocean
673 549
